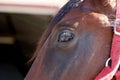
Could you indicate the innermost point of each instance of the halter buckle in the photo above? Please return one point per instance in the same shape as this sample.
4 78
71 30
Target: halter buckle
107 62
117 21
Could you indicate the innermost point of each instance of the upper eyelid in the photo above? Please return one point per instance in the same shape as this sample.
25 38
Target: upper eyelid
67 25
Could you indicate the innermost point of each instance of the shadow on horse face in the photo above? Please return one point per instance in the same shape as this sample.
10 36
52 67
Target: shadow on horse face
76 49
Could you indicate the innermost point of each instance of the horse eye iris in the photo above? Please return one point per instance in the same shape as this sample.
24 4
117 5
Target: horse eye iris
65 36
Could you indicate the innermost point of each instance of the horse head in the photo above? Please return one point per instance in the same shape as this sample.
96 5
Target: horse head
77 43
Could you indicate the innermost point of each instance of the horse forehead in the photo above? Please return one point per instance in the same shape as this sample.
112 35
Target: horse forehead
81 13
76 16
75 13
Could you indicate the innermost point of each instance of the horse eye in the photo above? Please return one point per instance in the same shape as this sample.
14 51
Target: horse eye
65 36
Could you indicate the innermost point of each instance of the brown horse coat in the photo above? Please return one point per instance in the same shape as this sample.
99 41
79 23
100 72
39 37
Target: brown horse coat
77 43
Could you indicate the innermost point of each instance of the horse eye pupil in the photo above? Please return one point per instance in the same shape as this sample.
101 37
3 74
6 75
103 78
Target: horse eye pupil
65 36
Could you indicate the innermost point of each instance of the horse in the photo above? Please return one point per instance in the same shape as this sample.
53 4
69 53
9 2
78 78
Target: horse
77 43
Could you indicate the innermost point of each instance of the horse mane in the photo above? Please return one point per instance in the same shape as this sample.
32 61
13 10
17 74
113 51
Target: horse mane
65 9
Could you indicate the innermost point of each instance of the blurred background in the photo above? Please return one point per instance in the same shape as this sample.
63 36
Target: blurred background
22 23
